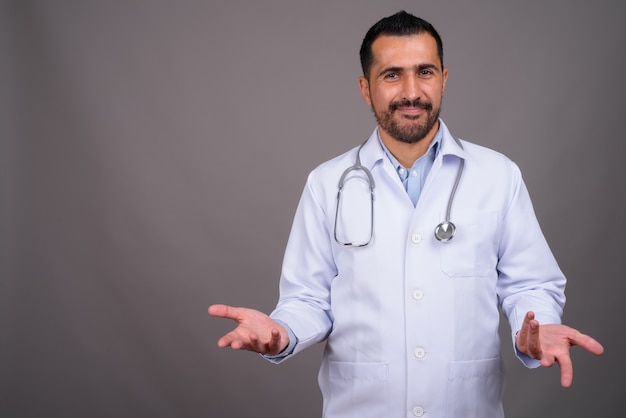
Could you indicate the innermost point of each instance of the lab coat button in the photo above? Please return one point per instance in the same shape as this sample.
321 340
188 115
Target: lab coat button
416 238
418 411
419 353
418 294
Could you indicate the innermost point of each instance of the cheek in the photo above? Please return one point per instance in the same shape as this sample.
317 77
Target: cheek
381 100
436 93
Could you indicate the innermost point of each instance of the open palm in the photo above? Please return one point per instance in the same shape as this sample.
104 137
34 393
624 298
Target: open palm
256 331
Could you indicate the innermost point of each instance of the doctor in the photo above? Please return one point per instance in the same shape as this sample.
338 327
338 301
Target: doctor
406 288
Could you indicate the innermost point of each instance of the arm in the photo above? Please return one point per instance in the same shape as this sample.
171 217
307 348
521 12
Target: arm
308 269
301 317
529 278
551 343
531 288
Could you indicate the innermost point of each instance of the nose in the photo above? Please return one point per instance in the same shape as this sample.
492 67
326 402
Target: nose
411 88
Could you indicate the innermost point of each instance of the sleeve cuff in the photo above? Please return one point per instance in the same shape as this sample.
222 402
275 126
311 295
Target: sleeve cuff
528 361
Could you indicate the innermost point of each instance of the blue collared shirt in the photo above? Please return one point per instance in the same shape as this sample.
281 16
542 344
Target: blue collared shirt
413 178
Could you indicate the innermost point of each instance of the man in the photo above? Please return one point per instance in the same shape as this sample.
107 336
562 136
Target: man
410 317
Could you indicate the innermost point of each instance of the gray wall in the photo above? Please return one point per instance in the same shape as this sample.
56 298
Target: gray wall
153 153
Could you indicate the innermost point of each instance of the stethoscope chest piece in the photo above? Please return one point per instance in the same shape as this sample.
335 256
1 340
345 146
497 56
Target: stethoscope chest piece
445 231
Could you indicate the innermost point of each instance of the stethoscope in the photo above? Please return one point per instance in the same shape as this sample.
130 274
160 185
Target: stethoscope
444 232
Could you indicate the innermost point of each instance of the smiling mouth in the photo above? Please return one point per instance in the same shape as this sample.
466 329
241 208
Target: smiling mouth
410 113
415 107
412 110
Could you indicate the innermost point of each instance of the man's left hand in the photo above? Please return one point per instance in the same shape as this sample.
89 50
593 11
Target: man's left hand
551 343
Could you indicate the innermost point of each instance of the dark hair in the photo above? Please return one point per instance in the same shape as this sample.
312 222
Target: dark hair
399 24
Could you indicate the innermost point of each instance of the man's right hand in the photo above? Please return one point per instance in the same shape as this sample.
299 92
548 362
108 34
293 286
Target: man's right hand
256 331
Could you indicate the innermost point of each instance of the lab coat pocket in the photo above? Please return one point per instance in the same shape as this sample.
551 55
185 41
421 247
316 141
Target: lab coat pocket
475 389
472 252
358 387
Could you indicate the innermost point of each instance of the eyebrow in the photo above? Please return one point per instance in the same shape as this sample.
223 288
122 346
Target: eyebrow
428 67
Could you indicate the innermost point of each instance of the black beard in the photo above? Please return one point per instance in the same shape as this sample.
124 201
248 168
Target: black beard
407 134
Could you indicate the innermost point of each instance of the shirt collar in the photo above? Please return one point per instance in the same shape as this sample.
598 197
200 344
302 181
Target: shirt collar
373 151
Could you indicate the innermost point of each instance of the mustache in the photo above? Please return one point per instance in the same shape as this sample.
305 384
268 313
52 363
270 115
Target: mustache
393 106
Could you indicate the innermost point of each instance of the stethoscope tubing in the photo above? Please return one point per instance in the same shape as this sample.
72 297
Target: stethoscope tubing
444 231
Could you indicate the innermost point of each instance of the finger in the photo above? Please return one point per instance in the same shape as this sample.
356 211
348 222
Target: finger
272 346
227 340
534 343
567 370
237 344
587 342
275 342
255 345
547 360
525 325
522 335
224 311
275 336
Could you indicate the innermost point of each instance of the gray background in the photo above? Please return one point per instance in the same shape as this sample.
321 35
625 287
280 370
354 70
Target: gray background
153 153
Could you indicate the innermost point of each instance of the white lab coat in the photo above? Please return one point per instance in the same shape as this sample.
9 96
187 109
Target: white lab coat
411 323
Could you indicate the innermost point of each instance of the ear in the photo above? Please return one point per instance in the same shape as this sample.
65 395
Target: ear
364 86
445 78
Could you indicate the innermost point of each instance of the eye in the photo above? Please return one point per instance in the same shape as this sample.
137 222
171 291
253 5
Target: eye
426 72
392 76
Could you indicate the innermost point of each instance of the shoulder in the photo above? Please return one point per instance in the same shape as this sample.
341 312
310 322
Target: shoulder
333 168
368 153
488 158
491 169
478 156
322 182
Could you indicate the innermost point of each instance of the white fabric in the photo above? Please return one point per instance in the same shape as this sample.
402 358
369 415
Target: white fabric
412 323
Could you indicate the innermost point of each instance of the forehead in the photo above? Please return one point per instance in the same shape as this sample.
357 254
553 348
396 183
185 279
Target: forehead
405 50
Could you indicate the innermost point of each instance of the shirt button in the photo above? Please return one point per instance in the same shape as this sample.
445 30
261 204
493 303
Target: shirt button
419 353
418 294
414 173
418 411
416 238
